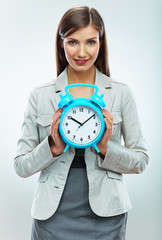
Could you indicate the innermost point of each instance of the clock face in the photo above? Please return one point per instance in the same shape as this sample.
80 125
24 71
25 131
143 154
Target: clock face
81 125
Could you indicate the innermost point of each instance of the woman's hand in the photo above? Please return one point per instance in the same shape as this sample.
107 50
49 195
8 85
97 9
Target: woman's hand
102 145
57 145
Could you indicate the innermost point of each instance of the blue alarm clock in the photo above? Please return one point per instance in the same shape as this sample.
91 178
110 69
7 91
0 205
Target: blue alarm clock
81 123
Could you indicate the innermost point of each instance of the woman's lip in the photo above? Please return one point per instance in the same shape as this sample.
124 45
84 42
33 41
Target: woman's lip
81 62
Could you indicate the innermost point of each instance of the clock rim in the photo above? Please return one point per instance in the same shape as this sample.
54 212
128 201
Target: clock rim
86 103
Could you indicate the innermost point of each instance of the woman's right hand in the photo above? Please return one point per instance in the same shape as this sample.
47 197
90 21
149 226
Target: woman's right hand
58 145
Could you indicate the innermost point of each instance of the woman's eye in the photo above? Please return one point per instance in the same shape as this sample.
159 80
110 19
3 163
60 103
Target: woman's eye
91 42
72 42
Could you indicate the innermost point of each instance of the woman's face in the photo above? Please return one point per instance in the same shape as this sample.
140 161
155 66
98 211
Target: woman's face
81 48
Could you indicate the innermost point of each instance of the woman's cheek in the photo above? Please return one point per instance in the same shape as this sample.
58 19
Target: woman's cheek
70 52
94 52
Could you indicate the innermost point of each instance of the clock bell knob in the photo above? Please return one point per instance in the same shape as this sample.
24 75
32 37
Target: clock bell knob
98 100
64 99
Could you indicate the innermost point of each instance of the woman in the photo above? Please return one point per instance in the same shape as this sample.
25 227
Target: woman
80 194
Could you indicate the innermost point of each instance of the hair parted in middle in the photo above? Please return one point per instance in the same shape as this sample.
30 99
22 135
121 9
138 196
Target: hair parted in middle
74 19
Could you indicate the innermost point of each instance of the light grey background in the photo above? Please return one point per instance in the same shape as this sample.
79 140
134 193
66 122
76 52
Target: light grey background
27 59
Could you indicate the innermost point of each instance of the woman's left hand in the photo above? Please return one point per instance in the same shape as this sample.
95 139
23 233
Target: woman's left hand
102 145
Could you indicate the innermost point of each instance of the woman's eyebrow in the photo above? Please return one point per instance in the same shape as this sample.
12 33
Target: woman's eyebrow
74 39
69 38
92 38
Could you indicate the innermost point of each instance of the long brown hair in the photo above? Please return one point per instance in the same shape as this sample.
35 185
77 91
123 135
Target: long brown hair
73 20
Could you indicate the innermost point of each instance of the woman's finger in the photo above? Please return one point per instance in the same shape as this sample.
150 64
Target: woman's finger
107 115
108 132
55 117
59 110
56 131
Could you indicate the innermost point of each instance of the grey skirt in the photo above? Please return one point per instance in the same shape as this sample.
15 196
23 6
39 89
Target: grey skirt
74 219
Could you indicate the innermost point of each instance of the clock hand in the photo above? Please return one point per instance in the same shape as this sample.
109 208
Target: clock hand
74 120
86 121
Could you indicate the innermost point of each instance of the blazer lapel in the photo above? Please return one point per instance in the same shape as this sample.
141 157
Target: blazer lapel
105 87
60 83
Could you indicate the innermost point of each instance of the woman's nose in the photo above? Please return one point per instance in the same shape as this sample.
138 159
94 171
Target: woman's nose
82 51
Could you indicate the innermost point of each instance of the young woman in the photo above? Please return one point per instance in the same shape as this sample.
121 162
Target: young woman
81 194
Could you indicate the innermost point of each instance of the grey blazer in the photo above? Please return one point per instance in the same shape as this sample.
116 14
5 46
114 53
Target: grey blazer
107 192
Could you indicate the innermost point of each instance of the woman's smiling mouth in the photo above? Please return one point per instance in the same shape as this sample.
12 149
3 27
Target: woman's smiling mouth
81 62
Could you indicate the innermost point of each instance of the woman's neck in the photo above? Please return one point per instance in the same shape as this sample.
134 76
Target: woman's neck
81 77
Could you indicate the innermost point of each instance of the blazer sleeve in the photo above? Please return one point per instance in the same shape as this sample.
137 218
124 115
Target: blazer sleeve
132 157
31 156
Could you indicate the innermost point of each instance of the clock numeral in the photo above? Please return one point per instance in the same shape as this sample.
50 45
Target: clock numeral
68 131
89 111
81 109
89 137
96 124
68 117
94 131
81 139
94 117
74 111
66 124
74 136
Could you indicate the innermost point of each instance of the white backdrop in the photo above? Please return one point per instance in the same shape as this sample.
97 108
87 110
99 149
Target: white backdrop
27 59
